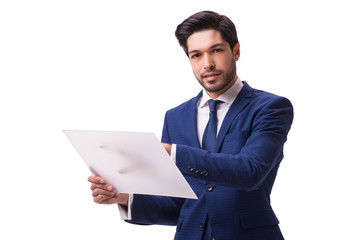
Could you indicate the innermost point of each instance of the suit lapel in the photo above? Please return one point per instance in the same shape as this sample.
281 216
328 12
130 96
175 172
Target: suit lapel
241 101
193 123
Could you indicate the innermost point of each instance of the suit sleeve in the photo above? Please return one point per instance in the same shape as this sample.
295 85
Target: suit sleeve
261 153
165 138
160 210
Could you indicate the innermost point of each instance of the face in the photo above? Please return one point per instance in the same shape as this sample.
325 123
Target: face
213 61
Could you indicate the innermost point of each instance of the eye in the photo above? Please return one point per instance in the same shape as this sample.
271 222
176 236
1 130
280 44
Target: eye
218 50
196 55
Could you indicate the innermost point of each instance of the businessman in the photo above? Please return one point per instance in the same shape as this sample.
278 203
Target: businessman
227 141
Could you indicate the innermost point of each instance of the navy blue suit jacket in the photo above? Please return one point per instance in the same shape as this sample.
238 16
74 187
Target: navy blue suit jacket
234 184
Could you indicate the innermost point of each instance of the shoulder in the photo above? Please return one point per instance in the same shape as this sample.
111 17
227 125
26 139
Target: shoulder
263 98
263 103
269 107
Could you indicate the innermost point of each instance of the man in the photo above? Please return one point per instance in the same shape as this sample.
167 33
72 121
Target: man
229 150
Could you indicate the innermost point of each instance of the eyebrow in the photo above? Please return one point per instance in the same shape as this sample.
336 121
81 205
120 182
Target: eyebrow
213 46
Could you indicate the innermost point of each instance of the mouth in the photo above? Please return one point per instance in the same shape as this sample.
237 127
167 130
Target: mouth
212 76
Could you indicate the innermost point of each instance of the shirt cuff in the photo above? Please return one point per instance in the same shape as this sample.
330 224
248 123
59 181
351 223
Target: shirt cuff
173 152
125 212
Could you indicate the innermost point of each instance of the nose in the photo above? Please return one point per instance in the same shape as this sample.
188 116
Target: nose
209 63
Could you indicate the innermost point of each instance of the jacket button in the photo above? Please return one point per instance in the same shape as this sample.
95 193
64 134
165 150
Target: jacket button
202 225
209 187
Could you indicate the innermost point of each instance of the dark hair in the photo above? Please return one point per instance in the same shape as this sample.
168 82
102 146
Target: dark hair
206 20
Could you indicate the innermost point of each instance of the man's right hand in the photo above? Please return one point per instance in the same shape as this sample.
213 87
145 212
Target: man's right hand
104 193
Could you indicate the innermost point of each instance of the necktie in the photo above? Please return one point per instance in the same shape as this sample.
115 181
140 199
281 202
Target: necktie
208 143
209 137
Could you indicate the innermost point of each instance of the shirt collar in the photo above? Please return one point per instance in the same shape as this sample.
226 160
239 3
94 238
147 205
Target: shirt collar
227 97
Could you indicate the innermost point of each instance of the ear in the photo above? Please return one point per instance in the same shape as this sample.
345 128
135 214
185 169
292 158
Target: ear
236 51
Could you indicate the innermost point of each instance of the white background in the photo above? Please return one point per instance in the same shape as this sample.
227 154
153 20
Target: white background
116 65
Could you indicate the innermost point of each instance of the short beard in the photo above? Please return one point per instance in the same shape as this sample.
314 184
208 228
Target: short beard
228 78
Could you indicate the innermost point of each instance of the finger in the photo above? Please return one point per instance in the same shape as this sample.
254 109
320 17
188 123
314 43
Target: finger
101 198
99 191
101 186
96 179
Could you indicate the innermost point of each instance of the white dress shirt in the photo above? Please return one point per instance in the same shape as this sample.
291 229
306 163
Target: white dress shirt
202 114
227 98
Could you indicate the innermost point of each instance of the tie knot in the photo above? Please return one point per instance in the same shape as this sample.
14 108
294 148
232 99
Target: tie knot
212 105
